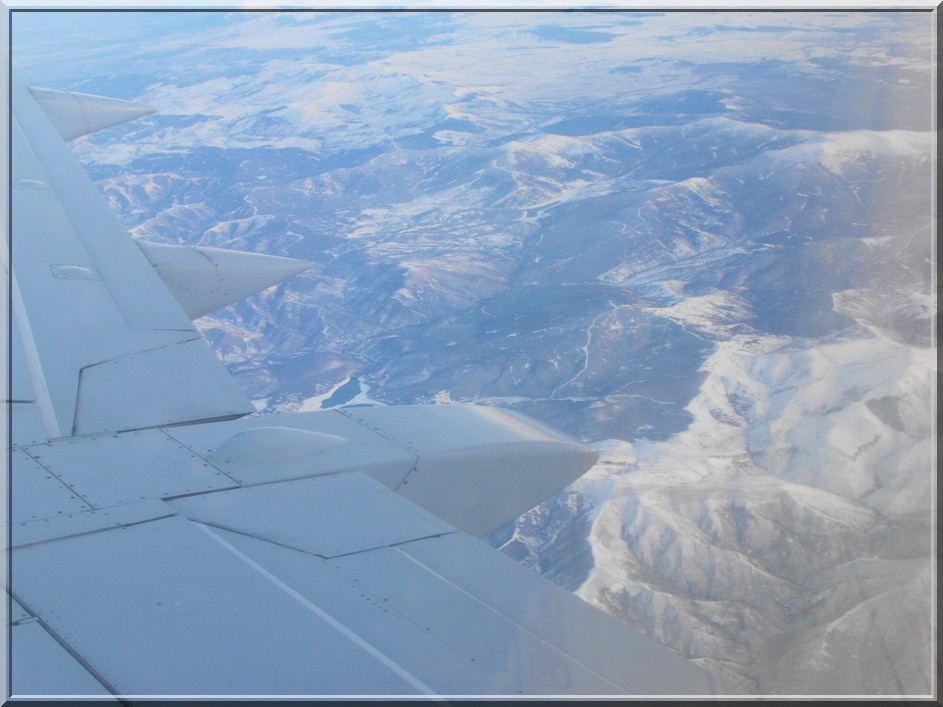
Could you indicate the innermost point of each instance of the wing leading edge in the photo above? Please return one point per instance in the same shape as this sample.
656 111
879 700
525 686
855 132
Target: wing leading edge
165 543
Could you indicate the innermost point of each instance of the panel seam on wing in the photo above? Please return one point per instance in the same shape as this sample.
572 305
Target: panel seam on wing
65 646
401 445
198 455
247 534
24 450
616 689
68 536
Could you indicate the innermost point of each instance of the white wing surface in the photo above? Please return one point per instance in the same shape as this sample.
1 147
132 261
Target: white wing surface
106 346
166 543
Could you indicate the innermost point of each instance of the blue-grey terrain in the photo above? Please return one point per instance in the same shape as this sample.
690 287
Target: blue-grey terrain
700 241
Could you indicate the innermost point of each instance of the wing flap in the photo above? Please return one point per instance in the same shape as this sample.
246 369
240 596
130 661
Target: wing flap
103 403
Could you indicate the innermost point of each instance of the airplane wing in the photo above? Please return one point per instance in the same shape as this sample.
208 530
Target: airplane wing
165 542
